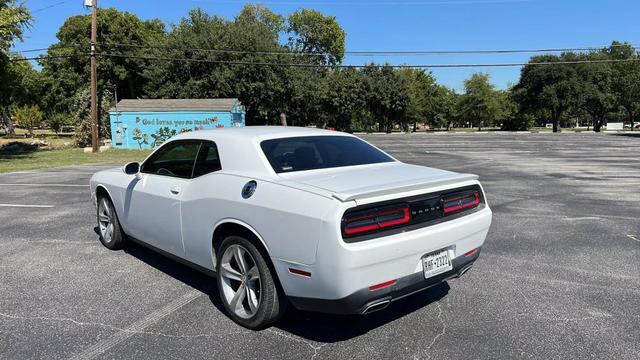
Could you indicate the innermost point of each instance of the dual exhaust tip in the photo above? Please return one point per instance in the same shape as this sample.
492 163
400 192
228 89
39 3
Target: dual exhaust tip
376 306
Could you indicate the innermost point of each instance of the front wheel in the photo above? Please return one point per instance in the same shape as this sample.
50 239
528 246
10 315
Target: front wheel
111 235
246 285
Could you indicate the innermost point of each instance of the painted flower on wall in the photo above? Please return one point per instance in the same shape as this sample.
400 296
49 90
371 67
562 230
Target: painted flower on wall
140 138
163 134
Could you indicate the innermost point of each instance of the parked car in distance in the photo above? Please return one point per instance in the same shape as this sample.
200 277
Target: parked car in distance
317 219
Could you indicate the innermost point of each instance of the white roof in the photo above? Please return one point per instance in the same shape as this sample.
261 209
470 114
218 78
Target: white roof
239 148
257 133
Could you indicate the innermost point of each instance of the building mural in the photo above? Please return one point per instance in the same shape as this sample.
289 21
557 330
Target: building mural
149 129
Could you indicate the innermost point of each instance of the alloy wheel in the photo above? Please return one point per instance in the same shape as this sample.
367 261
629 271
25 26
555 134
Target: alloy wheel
241 283
105 220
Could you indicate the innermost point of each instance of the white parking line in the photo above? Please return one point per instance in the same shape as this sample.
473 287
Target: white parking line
50 185
107 343
26 206
633 237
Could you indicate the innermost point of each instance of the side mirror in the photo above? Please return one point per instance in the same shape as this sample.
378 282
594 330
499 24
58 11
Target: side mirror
131 168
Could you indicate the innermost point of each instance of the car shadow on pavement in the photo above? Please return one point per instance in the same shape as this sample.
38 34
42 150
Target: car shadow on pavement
333 328
308 325
191 277
637 134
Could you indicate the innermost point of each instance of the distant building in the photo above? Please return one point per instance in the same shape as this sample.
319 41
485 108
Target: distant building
147 123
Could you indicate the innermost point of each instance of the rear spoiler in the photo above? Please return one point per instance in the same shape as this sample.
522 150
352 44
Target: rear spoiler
403 186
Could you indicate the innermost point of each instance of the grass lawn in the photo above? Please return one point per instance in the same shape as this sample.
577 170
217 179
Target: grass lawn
64 157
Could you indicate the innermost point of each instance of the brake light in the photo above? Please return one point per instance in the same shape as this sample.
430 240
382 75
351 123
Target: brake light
376 219
382 285
460 202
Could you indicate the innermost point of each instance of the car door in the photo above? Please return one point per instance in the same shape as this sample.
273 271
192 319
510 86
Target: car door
153 207
198 201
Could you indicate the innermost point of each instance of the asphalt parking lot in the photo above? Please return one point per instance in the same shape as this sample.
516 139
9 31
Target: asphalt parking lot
559 276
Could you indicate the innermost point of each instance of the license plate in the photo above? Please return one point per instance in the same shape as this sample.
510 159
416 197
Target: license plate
436 263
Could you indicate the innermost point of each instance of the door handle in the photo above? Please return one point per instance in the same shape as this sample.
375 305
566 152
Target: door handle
175 190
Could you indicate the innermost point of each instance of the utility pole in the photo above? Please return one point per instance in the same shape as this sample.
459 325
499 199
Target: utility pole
94 76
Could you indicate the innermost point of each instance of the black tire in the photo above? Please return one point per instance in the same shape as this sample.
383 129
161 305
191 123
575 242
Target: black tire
117 239
272 304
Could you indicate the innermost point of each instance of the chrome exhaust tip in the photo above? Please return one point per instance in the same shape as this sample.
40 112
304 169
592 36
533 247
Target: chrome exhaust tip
464 271
376 306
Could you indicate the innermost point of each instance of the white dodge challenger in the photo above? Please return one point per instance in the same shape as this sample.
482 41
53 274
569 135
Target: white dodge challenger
318 219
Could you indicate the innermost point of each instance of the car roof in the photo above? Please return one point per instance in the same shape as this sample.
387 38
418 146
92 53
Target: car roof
257 133
239 148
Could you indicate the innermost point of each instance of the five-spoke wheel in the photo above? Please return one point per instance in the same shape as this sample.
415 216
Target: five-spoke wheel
241 284
246 285
111 234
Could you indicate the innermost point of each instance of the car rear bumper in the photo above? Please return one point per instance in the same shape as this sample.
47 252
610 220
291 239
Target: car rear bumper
365 300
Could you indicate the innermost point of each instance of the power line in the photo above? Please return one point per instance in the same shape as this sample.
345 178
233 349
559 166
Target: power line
303 65
45 57
357 53
372 53
422 66
45 49
50 6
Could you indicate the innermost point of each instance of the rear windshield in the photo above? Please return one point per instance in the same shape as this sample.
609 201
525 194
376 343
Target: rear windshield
320 152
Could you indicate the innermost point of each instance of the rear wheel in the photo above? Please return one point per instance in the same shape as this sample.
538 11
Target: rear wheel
246 285
111 235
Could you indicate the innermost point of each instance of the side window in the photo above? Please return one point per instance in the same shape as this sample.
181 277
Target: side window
208 159
176 158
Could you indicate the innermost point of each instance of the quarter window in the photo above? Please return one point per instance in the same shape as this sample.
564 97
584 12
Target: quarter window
176 158
208 160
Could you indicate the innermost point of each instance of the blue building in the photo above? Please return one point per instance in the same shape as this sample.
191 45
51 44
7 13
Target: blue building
147 123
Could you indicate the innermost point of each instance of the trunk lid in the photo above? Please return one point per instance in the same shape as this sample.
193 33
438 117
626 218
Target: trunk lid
358 182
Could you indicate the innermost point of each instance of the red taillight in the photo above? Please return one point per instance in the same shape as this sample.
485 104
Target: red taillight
470 252
375 220
299 272
460 202
382 285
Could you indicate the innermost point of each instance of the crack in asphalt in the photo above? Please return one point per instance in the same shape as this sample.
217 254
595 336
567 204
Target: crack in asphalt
438 335
558 319
315 349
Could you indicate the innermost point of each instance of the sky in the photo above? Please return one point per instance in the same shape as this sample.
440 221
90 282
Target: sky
408 25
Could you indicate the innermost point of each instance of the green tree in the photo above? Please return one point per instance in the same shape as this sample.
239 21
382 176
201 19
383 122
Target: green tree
267 92
28 117
81 111
116 29
254 33
345 98
14 19
313 33
551 88
387 96
625 83
480 105
425 97
57 122
596 96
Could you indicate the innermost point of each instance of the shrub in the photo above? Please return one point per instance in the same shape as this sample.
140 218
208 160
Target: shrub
28 117
82 116
57 122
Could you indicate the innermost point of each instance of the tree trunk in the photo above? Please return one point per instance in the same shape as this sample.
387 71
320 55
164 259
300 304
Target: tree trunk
132 90
597 124
556 125
283 119
631 120
5 121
